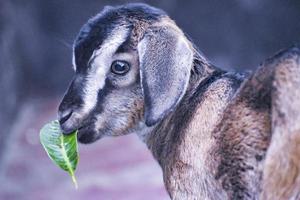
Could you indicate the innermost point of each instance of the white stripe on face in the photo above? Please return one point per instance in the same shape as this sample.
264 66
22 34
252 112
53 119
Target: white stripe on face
100 65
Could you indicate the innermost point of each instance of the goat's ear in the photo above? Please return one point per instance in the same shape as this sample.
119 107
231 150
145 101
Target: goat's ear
165 64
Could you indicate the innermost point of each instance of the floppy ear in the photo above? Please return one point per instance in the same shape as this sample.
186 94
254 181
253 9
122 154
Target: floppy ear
165 64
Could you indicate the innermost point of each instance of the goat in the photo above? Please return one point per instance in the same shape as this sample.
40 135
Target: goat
215 134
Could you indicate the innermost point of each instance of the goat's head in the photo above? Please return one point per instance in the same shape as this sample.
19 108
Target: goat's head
132 67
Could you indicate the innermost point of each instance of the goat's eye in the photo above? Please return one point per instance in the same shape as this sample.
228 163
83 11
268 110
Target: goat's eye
120 67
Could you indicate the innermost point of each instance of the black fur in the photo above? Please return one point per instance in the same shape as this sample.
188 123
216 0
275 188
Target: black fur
97 29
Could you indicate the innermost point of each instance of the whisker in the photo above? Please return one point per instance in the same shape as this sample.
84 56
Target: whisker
65 43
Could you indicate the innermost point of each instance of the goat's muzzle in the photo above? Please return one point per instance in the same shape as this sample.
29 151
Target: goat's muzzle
64 121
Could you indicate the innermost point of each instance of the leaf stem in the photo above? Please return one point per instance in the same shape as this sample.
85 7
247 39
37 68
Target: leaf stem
71 171
74 179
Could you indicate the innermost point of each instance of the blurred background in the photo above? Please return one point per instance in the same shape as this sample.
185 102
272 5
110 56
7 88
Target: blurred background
35 68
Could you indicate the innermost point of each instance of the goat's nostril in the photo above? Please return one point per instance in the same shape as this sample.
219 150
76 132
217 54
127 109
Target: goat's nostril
64 116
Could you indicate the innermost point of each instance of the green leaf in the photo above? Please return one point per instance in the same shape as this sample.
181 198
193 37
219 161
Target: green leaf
62 149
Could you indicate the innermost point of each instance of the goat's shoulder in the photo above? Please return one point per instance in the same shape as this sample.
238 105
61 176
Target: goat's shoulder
242 137
281 177
246 131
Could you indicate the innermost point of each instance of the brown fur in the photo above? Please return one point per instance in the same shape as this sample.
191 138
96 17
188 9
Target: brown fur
281 178
243 137
217 143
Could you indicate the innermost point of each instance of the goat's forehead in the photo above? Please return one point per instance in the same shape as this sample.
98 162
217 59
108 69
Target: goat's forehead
85 51
98 29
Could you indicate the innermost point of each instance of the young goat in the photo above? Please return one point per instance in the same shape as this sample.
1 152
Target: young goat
215 134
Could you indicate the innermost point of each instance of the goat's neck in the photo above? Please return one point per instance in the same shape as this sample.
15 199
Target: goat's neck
183 141
166 135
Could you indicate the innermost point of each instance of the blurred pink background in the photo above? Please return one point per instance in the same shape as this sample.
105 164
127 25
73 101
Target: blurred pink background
111 169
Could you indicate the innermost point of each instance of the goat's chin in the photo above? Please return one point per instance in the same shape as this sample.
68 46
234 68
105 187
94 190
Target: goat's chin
87 136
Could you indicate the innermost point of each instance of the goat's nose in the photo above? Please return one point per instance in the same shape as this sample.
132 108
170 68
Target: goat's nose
63 116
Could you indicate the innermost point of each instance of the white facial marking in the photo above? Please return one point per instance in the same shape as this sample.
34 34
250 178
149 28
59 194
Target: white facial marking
100 65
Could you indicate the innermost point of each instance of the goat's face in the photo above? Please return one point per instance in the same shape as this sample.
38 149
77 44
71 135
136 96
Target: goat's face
132 67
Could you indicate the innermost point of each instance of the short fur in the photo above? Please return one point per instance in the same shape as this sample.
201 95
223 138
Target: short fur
215 134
